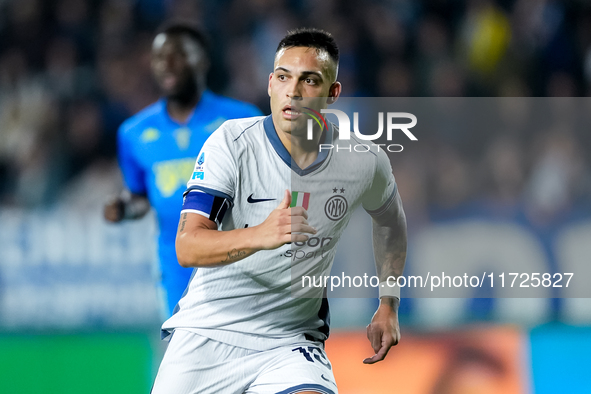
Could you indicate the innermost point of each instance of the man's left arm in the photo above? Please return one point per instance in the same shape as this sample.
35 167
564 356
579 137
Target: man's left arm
389 244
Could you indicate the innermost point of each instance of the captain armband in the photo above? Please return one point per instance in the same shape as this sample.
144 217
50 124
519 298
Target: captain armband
212 207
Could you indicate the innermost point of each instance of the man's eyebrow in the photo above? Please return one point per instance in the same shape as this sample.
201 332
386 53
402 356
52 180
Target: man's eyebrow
316 73
319 75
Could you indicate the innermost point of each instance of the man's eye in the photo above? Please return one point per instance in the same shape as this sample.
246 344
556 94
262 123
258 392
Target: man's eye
310 81
281 77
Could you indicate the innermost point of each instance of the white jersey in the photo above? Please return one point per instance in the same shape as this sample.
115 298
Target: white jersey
249 303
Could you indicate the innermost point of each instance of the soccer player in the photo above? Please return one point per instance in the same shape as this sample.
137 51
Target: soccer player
157 147
239 329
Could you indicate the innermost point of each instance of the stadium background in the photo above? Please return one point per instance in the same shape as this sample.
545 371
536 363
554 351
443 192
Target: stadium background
78 308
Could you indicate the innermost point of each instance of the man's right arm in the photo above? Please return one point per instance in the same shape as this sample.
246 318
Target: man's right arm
199 244
132 203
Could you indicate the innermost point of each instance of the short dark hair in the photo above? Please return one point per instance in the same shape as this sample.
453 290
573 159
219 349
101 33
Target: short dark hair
312 38
186 28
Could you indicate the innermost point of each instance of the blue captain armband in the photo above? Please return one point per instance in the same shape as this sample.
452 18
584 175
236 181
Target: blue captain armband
205 203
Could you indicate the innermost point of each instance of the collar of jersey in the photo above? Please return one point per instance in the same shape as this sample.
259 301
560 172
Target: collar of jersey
201 106
284 154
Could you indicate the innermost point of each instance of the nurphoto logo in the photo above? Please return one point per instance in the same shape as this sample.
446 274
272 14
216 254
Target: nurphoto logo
392 125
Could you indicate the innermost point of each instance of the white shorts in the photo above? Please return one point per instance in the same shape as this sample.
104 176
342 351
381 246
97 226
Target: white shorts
195 364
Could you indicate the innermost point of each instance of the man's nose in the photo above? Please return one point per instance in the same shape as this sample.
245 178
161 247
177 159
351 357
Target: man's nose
165 63
294 92
169 62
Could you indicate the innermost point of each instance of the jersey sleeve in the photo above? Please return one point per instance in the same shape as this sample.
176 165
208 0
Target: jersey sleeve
215 170
382 192
210 191
133 173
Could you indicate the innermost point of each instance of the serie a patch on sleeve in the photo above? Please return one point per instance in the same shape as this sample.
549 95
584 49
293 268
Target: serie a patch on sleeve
199 171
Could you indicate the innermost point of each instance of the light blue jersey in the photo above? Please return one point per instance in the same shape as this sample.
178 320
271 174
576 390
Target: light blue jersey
157 156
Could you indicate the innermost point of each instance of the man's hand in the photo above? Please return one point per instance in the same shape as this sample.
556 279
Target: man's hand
114 210
126 206
383 332
282 224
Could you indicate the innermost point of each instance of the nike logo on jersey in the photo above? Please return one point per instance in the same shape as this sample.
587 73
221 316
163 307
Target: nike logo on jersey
323 377
255 200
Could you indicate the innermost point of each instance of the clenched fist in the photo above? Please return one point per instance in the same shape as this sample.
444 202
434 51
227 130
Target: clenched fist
284 225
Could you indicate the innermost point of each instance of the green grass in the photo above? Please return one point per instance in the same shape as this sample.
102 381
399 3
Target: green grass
82 363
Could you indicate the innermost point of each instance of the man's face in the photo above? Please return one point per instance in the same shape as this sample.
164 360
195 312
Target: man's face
178 64
299 72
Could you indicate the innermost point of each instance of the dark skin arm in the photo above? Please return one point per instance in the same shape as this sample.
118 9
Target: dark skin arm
389 243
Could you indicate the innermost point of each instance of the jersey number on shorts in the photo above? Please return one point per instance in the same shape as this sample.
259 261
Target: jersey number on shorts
315 352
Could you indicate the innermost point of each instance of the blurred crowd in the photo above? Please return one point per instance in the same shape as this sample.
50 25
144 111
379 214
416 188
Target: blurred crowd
72 70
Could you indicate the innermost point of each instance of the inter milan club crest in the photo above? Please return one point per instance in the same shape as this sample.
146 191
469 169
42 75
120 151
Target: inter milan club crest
336 207
300 199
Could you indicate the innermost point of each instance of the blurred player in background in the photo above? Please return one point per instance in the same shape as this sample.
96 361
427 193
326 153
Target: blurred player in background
157 146
239 329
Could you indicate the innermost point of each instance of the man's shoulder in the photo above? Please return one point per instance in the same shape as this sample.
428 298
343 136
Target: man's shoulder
234 129
142 118
349 145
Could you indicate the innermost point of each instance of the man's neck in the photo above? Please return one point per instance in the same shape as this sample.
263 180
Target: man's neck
180 110
303 152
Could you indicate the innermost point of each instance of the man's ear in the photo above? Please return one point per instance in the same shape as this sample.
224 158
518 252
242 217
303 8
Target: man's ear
334 92
269 86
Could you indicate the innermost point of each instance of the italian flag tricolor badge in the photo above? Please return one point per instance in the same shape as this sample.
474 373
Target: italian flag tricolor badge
300 199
